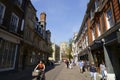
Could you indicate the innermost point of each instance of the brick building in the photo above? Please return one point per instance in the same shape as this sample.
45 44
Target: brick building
98 37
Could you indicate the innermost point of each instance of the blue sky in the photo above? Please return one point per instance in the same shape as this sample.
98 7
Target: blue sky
64 17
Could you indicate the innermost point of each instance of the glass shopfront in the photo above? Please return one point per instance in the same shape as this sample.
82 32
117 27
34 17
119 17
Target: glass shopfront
8 51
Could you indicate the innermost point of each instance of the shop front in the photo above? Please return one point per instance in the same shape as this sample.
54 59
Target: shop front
9 51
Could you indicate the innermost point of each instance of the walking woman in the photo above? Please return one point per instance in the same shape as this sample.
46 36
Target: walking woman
103 71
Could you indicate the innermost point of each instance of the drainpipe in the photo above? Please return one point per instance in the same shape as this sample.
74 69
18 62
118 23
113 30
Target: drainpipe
110 71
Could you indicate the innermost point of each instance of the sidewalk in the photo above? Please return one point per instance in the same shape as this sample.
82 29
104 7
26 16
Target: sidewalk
74 74
87 74
71 74
17 75
21 75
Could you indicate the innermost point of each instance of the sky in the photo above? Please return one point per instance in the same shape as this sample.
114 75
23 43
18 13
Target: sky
64 17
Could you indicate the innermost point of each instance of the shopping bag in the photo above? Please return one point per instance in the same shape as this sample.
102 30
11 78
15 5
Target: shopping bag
35 73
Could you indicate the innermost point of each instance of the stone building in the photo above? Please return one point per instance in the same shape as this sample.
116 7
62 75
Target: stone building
55 56
63 52
11 27
24 39
98 37
36 42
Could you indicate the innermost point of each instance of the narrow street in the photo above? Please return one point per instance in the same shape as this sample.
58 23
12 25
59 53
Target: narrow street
60 72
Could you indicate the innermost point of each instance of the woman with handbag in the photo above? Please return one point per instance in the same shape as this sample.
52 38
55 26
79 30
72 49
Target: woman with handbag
41 68
103 71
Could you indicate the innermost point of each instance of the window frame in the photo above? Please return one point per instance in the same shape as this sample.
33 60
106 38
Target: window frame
19 2
14 24
93 33
8 57
3 12
99 28
109 18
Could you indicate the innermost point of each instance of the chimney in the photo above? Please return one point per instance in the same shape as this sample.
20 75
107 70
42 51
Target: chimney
43 20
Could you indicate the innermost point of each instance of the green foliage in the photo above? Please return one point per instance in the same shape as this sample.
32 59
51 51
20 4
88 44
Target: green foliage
69 50
50 51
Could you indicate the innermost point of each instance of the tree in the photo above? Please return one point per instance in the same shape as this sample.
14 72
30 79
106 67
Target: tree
69 50
51 50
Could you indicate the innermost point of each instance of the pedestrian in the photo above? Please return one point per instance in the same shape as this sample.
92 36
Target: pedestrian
88 64
93 71
41 67
81 65
71 64
84 66
67 63
103 71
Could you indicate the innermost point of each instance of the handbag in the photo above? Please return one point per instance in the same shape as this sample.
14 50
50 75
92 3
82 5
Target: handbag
105 72
35 72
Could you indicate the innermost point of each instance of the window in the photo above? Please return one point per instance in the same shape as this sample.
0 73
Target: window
96 4
19 2
92 11
109 18
28 35
99 30
86 38
14 23
93 34
2 11
8 53
22 25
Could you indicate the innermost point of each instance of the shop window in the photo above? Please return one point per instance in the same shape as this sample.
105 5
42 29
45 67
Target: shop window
7 55
2 11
